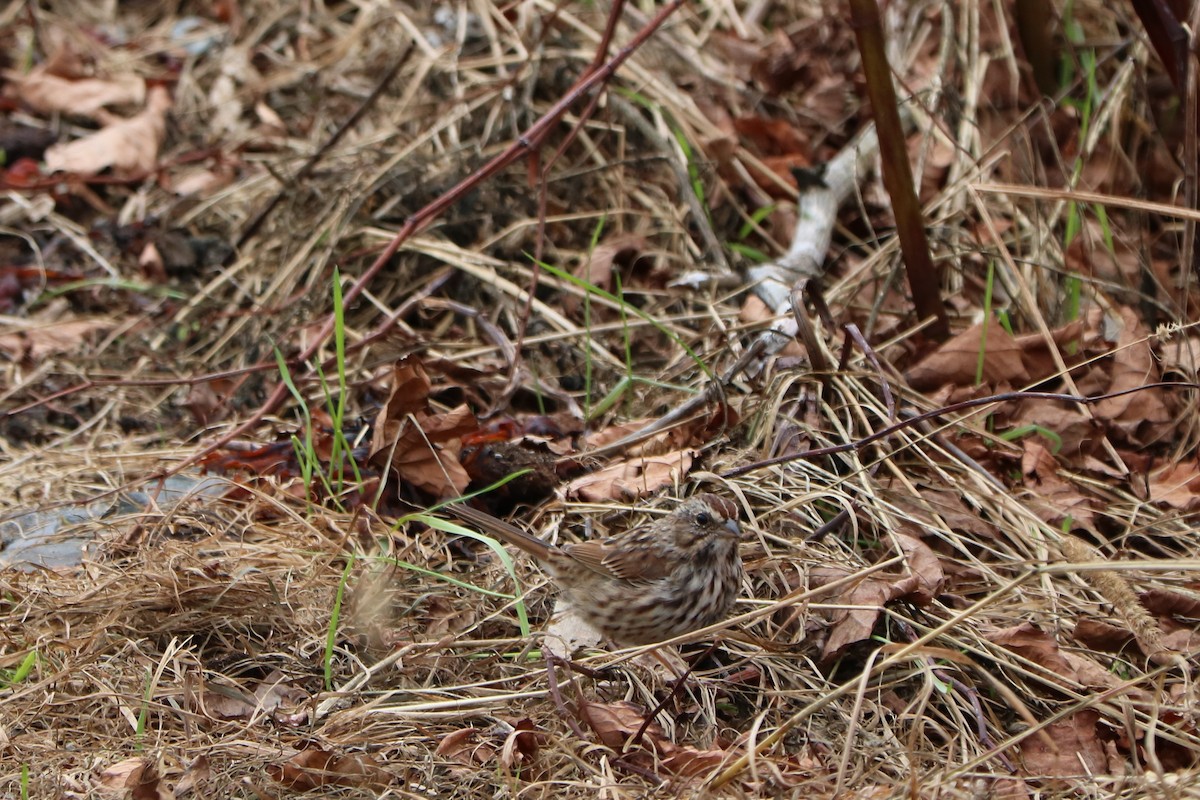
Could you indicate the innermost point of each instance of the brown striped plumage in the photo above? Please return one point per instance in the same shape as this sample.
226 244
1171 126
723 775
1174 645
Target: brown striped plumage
677 574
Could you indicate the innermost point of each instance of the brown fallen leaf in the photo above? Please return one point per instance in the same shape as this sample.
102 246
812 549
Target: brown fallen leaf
1167 603
616 723
1034 644
1177 484
133 777
41 340
861 606
194 775
271 698
1080 752
128 146
423 447
1142 416
633 478
315 767
597 269
862 602
957 360
1052 497
47 93
467 746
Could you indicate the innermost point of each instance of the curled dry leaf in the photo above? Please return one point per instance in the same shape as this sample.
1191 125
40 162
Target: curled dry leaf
1080 751
597 268
863 602
40 340
272 697
1176 485
515 744
1143 416
132 777
423 447
128 146
1052 497
466 746
957 360
315 767
47 93
633 478
616 724
1034 644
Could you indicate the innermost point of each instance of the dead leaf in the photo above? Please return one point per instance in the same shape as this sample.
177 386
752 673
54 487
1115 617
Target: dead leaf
41 340
315 767
1101 636
128 146
1167 603
925 566
862 602
466 746
195 774
282 702
1176 485
861 605
423 448
1080 752
957 360
616 722
427 453
409 388
597 268
521 744
1055 499
47 93
445 617
1030 642
133 777
1143 416
632 478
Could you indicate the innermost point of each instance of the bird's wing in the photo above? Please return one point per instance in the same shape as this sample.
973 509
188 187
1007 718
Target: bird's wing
625 563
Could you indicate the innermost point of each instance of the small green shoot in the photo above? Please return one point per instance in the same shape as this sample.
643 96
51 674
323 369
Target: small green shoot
1027 430
341 449
1005 321
749 253
22 671
692 169
306 455
335 618
755 220
1074 289
333 481
981 356
119 284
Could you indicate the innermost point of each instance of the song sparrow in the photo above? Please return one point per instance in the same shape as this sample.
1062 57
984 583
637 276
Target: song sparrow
676 574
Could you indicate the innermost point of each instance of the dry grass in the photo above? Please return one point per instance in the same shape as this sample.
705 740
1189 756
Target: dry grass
193 639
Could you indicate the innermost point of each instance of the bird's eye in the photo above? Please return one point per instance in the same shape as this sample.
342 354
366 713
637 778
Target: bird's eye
703 518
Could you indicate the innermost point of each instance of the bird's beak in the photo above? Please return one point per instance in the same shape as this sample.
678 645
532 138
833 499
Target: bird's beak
732 526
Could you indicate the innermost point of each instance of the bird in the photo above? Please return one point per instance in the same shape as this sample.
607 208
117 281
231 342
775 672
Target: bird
660 580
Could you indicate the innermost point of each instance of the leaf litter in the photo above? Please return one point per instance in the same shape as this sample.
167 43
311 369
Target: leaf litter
1004 603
